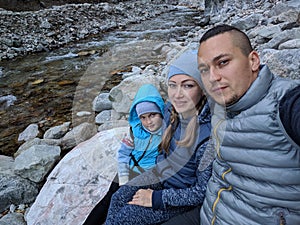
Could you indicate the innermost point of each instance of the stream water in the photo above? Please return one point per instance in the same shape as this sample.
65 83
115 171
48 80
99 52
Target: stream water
39 88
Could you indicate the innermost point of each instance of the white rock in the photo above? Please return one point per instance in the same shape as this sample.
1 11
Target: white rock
78 182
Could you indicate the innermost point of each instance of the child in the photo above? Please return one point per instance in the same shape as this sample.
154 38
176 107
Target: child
139 149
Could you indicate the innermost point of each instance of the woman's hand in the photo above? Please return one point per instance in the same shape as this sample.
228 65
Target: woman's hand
142 197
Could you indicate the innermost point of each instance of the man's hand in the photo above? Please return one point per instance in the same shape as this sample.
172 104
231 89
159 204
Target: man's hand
142 197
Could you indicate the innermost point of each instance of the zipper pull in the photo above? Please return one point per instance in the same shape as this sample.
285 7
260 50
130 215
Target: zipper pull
282 219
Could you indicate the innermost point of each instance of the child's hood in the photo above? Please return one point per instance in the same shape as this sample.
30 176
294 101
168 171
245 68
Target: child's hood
146 92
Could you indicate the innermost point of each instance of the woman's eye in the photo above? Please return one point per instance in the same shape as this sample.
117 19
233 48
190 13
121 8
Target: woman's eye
188 86
172 86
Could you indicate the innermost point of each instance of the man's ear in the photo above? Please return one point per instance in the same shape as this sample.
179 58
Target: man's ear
254 61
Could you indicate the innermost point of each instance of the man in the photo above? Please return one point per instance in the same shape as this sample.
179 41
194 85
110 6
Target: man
256 173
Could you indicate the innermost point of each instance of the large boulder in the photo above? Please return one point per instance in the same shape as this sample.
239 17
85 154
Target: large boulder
78 182
13 188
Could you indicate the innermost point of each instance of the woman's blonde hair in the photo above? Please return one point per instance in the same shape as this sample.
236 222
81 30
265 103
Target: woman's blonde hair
191 130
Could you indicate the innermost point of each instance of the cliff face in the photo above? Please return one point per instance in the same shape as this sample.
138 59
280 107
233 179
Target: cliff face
33 5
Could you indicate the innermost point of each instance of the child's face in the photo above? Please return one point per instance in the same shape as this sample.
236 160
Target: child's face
151 121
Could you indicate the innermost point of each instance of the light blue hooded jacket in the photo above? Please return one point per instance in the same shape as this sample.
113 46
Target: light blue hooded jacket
146 143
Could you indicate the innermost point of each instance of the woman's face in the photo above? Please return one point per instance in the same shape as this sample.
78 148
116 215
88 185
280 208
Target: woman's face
184 94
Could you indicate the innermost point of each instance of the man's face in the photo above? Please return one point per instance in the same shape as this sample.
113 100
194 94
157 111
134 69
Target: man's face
225 71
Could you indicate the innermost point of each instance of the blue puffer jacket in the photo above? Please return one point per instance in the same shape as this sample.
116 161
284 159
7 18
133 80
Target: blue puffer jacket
183 183
256 174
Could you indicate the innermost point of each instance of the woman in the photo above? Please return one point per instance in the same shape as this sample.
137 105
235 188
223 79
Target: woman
178 182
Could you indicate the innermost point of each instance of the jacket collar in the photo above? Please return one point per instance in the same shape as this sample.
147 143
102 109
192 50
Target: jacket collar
256 92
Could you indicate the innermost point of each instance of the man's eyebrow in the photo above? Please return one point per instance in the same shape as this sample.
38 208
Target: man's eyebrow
220 56
215 59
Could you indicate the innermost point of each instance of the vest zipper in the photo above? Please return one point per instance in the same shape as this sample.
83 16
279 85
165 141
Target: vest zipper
218 145
281 219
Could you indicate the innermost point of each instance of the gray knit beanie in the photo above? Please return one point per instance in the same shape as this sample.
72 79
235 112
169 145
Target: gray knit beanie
186 64
146 107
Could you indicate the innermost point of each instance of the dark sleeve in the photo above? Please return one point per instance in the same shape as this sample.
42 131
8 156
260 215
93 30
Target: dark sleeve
289 111
194 195
157 202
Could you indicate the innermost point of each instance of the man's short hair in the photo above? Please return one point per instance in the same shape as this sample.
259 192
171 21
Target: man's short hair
240 39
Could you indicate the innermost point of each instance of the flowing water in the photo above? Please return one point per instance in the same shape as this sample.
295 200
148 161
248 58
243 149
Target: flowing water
39 88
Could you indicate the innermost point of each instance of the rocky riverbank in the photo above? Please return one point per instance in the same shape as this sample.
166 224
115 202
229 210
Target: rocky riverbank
71 190
27 32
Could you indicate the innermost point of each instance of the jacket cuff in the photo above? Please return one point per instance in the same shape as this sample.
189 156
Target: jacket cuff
123 180
157 202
